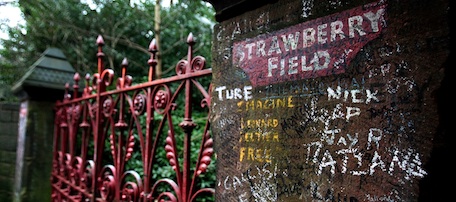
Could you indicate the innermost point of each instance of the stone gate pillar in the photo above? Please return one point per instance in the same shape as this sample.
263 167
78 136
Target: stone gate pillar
331 100
40 87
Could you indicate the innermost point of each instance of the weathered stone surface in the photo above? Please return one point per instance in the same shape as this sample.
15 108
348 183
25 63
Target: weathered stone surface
8 142
358 114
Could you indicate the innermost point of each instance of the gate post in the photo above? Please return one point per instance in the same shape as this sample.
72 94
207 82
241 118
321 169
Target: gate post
331 100
40 87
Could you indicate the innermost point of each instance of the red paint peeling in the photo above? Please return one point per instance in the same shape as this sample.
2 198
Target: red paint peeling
316 48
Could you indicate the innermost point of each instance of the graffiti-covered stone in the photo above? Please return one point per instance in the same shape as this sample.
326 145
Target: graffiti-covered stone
331 101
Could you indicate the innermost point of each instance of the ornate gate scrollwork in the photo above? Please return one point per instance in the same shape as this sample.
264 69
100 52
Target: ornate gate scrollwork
98 132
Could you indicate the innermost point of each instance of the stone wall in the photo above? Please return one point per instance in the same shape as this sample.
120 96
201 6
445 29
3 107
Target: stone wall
9 113
333 101
28 178
34 159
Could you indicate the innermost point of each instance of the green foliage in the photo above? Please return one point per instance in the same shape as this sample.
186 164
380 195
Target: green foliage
73 26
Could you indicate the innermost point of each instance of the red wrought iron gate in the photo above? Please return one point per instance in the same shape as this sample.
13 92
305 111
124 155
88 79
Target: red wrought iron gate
98 132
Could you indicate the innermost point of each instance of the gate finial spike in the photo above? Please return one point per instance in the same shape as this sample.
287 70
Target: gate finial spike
87 89
153 49
100 40
153 46
67 95
76 79
124 72
100 54
87 78
190 40
124 62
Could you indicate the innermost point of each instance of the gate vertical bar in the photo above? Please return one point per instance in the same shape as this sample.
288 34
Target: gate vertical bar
187 125
98 129
149 120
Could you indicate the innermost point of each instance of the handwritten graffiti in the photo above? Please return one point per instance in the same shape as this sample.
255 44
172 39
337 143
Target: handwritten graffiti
333 112
234 94
315 48
265 104
258 180
350 156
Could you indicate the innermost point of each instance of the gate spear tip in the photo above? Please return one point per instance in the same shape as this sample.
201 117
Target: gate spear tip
190 39
124 62
100 40
153 46
76 77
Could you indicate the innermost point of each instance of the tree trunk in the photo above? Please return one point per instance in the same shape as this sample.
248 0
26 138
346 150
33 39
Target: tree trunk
157 20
